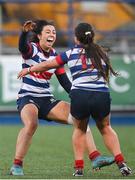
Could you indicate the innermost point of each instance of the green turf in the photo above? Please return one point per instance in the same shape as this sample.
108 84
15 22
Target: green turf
51 156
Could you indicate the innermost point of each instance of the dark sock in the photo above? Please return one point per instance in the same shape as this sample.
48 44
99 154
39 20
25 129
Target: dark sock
94 155
119 159
79 164
18 162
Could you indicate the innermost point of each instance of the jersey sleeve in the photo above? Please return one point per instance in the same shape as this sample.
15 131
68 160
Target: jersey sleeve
60 70
25 47
63 58
29 53
64 82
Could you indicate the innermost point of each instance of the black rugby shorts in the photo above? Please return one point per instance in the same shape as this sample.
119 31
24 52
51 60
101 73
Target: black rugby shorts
89 103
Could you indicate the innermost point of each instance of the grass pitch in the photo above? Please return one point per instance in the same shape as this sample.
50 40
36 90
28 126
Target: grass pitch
51 157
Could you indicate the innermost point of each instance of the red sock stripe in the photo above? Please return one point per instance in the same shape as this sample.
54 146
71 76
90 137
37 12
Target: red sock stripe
79 164
94 155
119 158
18 162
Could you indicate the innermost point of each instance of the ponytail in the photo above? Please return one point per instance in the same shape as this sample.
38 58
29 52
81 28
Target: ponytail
97 54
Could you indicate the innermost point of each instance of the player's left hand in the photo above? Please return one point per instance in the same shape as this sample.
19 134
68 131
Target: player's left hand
23 73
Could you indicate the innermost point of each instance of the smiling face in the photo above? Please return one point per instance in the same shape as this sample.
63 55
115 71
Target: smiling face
47 37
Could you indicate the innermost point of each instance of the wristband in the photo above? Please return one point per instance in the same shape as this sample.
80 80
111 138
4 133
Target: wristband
28 69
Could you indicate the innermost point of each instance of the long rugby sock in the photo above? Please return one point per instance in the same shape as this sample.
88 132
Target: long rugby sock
79 164
94 155
18 162
119 159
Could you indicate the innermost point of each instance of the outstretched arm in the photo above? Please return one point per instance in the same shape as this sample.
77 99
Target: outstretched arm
43 66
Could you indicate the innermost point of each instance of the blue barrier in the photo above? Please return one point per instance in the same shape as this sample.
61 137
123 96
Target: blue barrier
115 120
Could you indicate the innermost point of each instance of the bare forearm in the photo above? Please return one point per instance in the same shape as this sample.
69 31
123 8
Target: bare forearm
44 66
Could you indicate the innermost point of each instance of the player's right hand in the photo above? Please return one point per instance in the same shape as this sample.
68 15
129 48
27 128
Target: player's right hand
28 26
23 73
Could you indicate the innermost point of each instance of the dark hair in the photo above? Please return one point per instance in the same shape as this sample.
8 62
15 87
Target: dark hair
39 25
85 35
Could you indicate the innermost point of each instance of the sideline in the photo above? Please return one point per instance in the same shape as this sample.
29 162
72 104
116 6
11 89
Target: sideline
116 119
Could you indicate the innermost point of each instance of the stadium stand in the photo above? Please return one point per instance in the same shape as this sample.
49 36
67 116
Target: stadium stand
106 18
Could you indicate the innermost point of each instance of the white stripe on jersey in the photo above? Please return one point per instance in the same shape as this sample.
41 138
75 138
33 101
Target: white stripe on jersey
35 50
29 62
35 89
92 85
34 95
68 53
87 79
85 71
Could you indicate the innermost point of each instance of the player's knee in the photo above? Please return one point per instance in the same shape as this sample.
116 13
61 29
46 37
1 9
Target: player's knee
31 127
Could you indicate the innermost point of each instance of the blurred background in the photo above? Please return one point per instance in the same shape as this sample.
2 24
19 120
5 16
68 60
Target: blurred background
114 24
113 21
